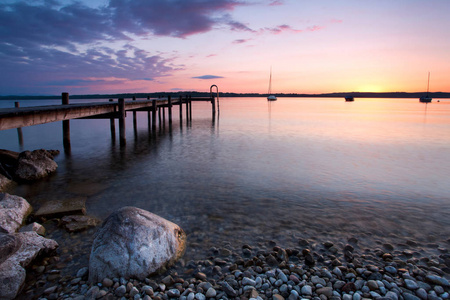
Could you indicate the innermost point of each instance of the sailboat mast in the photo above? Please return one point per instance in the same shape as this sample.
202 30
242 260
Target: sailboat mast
270 82
428 86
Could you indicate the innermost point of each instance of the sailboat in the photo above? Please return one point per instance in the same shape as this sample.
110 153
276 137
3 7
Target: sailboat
426 98
271 97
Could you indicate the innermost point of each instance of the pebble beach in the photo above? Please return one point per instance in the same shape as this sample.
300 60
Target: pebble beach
310 269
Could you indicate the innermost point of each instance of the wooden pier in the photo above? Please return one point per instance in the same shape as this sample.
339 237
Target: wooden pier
19 117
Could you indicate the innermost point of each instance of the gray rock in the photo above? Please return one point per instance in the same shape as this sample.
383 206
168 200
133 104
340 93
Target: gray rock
372 285
34 165
391 270
4 182
76 223
134 243
173 293
200 296
36 227
374 295
408 296
107 282
337 272
327 291
27 246
134 291
12 278
92 292
306 290
347 297
439 289
248 281
356 296
8 162
228 289
148 290
120 291
62 207
211 293
437 280
317 280
411 284
13 211
9 244
82 272
422 294
391 295
282 276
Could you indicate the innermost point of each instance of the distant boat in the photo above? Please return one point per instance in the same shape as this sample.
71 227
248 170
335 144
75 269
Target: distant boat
426 99
349 99
271 97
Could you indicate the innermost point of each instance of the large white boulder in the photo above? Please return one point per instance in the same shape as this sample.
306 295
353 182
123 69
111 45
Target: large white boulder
134 243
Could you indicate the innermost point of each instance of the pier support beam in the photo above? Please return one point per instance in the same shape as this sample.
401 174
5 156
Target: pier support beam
180 104
66 126
170 111
122 115
154 108
112 126
187 109
19 130
190 108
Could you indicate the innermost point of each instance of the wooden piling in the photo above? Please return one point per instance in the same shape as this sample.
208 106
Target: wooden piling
65 98
190 108
181 108
187 109
122 115
169 99
134 121
19 130
66 126
154 108
112 126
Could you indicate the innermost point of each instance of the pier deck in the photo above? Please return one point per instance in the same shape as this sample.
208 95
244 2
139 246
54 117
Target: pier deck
28 116
19 117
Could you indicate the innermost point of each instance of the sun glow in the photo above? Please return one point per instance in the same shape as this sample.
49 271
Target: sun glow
370 88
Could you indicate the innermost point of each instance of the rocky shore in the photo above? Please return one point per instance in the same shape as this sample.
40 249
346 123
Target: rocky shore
311 270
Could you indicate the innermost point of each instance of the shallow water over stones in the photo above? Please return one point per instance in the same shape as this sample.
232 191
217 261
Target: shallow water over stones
296 174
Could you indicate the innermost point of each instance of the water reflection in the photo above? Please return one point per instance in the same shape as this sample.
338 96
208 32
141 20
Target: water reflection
297 169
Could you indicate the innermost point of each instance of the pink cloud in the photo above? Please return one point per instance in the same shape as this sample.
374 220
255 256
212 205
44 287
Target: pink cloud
281 28
276 3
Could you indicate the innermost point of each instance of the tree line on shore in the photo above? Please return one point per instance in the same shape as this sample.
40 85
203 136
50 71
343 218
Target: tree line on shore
226 94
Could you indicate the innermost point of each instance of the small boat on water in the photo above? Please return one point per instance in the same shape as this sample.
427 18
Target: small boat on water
427 98
271 97
349 99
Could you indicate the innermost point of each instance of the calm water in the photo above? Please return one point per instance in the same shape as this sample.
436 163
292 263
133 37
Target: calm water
296 168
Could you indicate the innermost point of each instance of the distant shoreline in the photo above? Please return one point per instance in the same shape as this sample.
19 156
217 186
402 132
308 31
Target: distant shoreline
222 94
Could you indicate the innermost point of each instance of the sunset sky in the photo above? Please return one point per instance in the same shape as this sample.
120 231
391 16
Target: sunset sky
124 46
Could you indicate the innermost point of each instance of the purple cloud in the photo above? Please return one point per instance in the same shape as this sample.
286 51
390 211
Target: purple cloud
276 2
53 68
45 44
208 77
178 18
281 28
241 41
